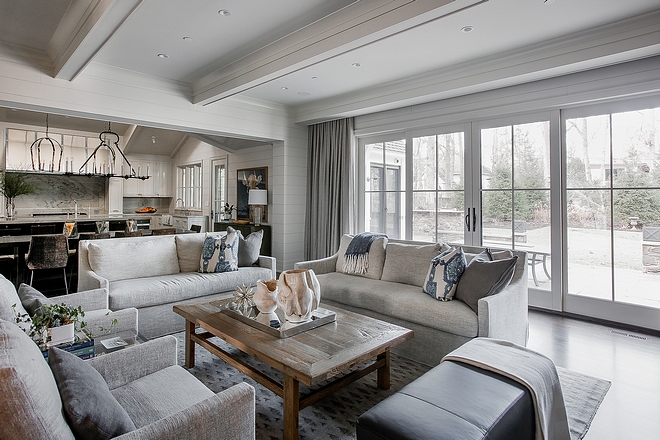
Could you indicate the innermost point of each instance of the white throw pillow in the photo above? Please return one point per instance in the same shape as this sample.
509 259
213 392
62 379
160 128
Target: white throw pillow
219 254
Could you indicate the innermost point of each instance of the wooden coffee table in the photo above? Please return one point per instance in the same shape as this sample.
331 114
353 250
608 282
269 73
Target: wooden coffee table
310 357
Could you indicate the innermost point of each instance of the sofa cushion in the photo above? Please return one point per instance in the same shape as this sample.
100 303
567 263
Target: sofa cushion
173 388
376 257
135 257
248 247
30 406
153 291
92 411
445 271
31 298
408 263
484 278
401 301
189 249
219 254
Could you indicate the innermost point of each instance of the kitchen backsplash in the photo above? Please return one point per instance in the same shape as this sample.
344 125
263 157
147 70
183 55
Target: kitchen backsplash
57 193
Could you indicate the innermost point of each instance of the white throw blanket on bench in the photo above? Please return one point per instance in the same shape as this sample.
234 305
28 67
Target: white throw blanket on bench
532 369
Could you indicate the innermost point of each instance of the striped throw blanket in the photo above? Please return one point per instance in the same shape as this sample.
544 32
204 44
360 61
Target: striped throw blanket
356 258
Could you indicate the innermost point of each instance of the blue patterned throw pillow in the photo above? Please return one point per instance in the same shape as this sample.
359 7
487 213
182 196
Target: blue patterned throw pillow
219 254
444 273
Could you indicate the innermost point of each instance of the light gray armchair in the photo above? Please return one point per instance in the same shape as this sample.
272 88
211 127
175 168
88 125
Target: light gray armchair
98 316
163 400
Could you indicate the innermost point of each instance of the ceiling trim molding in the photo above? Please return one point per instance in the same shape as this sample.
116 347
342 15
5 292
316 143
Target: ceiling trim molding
347 29
83 31
626 40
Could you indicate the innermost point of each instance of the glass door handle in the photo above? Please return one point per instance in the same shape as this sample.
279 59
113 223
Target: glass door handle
471 225
467 220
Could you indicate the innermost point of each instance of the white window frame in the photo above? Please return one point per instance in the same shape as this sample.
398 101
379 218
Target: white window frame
189 185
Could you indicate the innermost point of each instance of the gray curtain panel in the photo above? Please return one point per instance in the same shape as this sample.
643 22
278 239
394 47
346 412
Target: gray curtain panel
329 196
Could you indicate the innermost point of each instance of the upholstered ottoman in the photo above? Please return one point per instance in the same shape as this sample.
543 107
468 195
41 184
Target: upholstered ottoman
450 402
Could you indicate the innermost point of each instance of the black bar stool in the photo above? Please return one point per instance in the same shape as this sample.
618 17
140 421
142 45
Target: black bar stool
48 252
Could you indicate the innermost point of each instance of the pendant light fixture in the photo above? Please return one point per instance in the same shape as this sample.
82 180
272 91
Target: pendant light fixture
36 145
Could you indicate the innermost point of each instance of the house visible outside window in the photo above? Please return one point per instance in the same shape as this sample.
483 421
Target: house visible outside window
189 186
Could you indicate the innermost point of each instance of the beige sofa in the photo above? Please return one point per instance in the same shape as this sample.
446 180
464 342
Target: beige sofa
392 291
154 273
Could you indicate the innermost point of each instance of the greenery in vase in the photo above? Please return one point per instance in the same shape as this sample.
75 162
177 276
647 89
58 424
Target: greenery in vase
48 316
16 184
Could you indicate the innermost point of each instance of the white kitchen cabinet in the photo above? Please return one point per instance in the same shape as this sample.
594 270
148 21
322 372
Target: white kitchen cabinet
163 179
115 199
185 222
139 187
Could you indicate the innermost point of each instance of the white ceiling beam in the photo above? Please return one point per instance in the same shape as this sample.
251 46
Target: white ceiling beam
178 147
130 137
84 30
347 29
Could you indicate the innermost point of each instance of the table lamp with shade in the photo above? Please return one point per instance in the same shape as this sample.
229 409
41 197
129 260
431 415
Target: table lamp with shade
256 199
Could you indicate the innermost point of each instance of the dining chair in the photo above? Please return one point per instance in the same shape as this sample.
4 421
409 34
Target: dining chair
163 231
196 228
48 252
120 234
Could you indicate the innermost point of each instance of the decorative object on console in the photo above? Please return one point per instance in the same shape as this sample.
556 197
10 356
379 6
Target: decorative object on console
299 294
12 185
265 298
249 179
257 198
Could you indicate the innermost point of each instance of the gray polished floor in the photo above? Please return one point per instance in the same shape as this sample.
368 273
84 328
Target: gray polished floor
630 360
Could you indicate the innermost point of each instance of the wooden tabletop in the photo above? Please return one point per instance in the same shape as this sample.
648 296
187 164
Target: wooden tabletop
309 357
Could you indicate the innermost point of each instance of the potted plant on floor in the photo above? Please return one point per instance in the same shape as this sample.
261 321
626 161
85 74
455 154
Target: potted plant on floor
12 185
54 324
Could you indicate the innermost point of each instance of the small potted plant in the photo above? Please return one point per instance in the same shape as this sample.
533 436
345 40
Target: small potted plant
12 185
54 324
226 212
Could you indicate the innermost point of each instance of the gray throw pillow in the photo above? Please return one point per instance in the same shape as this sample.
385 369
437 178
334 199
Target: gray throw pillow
92 411
248 247
31 298
483 278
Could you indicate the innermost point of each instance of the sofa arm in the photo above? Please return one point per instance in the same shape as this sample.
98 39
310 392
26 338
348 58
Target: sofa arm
505 315
324 265
228 415
131 363
269 263
100 322
87 278
89 299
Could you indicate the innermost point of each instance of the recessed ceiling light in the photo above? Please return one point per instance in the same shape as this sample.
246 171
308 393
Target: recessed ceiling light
224 12
356 64
304 94
163 55
187 38
315 77
547 2
284 88
467 29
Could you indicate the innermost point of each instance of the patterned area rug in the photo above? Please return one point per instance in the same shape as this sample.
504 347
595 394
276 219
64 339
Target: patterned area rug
334 417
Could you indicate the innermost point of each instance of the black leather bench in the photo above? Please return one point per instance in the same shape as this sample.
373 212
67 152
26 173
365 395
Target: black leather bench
453 401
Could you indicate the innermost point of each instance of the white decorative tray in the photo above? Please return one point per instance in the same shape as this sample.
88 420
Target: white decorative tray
281 328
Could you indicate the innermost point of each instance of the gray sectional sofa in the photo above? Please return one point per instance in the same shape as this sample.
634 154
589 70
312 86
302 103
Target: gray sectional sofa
154 273
391 290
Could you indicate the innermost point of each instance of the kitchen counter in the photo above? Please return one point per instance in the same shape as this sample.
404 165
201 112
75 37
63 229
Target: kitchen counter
81 218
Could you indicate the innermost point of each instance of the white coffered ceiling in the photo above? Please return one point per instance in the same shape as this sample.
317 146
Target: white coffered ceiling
303 53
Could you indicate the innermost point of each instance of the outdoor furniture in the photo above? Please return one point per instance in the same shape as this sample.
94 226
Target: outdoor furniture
162 400
310 357
537 257
48 252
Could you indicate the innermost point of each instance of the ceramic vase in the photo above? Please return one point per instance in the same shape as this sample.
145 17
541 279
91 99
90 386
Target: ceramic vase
265 299
299 294
61 335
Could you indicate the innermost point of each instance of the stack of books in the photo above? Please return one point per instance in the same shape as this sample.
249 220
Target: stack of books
82 346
